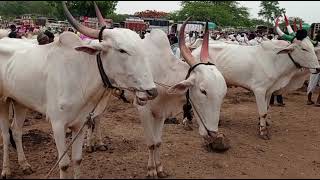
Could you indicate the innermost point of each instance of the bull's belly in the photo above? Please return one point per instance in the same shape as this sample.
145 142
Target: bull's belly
27 88
30 95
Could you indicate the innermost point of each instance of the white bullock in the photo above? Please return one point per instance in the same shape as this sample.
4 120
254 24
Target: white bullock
263 69
206 87
62 80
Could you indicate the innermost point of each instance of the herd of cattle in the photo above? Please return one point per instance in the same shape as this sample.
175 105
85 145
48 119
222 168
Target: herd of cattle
66 81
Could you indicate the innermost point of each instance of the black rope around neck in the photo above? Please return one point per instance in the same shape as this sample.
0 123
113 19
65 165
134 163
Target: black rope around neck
187 108
294 62
103 75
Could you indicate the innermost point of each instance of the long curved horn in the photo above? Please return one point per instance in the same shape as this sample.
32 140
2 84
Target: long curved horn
79 27
277 27
185 52
99 15
204 54
300 25
295 25
290 31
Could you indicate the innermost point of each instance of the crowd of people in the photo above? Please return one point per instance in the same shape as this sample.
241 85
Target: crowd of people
44 35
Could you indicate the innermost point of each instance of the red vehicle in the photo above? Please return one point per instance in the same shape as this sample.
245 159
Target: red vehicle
136 24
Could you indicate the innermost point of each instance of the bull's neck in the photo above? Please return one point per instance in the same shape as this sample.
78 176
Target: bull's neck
90 82
169 71
284 65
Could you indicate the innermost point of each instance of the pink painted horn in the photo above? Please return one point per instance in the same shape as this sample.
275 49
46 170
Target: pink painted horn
185 52
300 25
93 33
99 15
295 25
204 54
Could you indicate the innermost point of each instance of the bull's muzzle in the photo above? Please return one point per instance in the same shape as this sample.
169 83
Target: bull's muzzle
217 142
152 93
318 70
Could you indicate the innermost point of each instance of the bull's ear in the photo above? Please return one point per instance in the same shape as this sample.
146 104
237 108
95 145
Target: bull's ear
182 87
286 50
90 49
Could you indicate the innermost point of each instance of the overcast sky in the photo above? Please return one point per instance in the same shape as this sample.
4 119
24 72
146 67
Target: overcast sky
307 10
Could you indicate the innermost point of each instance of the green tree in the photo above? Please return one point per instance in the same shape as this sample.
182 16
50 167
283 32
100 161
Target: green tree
54 8
84 8
269 10
223 13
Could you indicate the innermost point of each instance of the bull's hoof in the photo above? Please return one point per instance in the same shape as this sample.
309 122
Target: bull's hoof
27 170
264 133
310 102
89 149
171 121
102 147
152 173
162 174
220 143
187 126
152 176
6 175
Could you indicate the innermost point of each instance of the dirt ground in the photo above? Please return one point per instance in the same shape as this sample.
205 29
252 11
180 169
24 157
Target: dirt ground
292 152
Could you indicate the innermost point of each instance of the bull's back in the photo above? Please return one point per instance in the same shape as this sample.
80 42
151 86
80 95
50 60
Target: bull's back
232 61
22 77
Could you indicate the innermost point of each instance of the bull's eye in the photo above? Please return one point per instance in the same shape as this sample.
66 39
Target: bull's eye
122 51
304 49
203 91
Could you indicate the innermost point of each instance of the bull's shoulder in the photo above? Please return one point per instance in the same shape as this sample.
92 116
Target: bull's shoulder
69 39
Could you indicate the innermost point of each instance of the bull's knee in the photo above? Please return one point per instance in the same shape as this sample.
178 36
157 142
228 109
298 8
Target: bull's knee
158 144
64 167
64 164
77 162
152 147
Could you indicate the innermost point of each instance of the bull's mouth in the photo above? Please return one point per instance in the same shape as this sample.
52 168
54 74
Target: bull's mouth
217 142
141 98
141 101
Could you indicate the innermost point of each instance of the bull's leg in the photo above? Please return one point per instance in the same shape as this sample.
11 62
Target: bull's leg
4 124
17 125
263 109
89 142
77 152
147 122
310 102
158 126
318 100
268 119
58 128
94 137
101 145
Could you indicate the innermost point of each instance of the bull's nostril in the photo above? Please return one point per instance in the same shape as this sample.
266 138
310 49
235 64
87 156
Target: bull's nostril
153 92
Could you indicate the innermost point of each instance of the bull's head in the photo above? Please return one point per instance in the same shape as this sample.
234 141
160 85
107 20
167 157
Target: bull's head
301 49
207 89
122 55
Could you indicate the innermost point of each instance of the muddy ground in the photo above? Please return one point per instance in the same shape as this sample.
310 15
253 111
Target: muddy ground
293 151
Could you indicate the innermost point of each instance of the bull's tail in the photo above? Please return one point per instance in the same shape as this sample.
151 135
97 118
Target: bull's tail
13 143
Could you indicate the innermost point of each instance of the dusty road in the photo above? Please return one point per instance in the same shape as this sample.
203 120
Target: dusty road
293 151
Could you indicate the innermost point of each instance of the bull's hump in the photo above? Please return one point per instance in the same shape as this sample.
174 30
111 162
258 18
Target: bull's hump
69 39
